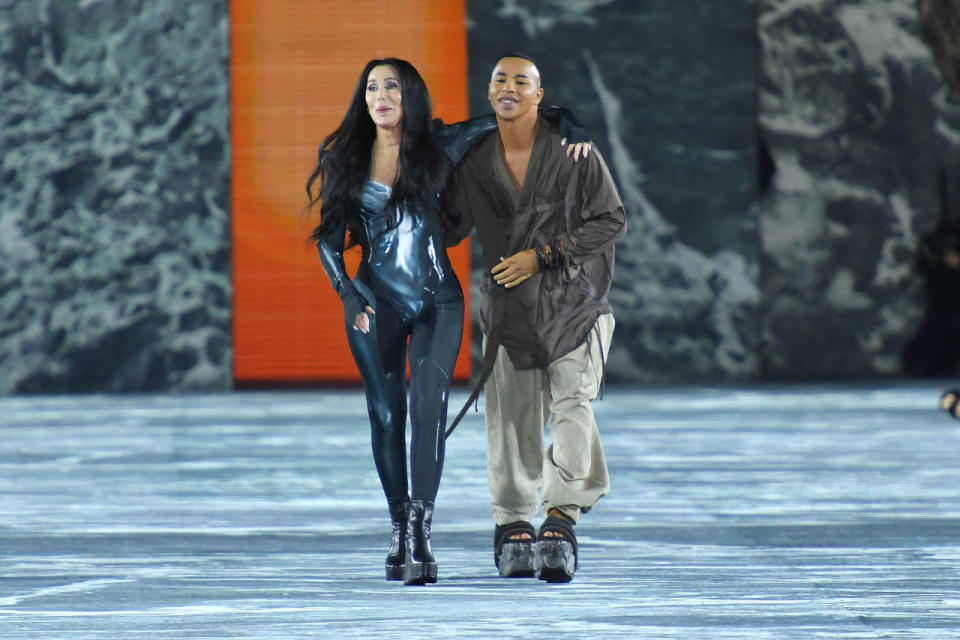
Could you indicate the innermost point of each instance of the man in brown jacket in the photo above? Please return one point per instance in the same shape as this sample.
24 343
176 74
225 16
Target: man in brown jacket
547 227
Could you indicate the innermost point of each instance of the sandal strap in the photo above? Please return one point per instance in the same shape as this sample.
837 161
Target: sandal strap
503 532
556 524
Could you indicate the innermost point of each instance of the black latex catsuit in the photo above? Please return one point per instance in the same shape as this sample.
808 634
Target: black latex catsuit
406 277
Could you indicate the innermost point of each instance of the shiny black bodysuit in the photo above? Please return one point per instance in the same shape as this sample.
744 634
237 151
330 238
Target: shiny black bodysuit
406 277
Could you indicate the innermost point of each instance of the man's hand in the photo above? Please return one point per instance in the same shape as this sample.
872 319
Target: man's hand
513 270
580 149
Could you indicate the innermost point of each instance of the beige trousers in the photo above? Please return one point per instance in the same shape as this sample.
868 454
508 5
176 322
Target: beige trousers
572 471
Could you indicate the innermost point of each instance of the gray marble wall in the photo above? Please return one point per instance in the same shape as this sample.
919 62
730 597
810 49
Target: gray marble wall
667 90
859 126
769 239
114 195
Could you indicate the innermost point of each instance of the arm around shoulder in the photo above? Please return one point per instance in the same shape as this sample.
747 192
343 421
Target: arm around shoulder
458 138
602 218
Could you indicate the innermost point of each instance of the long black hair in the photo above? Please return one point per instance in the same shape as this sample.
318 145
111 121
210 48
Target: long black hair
343 161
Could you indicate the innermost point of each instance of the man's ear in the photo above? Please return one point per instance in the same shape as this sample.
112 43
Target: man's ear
539 95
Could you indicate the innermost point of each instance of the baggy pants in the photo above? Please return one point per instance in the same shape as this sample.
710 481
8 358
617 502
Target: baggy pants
572 471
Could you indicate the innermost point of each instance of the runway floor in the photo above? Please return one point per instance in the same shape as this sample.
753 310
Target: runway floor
749 512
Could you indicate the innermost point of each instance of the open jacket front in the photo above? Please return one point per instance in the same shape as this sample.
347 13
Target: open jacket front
576 203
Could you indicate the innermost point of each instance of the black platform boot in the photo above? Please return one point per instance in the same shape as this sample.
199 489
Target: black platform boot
419 566
398 518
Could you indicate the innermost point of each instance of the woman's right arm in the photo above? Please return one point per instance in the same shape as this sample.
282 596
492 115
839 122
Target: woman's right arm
458 138
330 247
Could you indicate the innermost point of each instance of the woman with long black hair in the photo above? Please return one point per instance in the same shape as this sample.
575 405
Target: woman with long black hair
383 178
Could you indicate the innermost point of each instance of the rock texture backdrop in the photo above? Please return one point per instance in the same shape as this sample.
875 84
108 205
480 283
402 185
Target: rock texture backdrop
668 92
114 191
858 125
769 239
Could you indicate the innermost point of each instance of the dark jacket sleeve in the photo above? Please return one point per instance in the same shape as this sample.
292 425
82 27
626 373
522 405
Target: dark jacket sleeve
565 123
461 203
330 248
599 215
458 138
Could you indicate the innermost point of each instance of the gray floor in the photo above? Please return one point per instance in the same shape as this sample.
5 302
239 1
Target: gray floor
827 512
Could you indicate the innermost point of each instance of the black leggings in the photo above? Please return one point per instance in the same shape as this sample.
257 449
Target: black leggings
434 341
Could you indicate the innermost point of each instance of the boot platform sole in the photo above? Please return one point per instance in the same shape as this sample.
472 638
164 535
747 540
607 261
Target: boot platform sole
394 571
416 573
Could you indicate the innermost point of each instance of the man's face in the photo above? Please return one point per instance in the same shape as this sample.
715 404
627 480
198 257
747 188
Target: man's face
514 88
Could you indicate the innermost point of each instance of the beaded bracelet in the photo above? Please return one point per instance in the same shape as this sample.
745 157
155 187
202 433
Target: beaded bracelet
541 258
557 255
548 256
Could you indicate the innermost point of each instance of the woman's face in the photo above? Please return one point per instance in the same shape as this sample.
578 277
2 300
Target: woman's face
384 97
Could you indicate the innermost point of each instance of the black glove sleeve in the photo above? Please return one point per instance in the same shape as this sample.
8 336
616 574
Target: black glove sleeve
330 248
458 138
353 304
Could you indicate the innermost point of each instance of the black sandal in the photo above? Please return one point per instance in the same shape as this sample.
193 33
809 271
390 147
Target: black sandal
950 401
557 558
514 558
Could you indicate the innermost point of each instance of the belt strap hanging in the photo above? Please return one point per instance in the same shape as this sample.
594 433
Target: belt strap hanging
486 368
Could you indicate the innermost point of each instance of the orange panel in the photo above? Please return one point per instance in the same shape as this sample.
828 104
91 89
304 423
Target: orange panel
294 64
